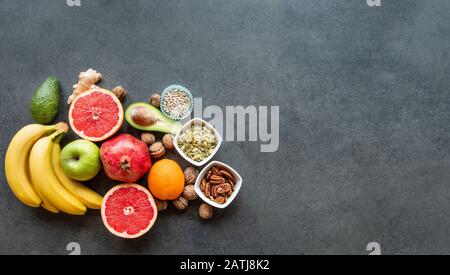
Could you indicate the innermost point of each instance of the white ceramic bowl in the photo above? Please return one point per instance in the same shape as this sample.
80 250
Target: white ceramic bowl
237 186
207 125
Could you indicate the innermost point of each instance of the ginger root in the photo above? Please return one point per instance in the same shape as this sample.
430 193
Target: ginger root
87 81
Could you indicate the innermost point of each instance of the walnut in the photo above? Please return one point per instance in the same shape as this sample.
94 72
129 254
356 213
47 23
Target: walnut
190 175
157 150
167 140
205 211
181 203
148 138
120 92
155 100
161 205
189 193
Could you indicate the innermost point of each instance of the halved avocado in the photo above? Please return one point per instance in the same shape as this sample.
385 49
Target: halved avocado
163 123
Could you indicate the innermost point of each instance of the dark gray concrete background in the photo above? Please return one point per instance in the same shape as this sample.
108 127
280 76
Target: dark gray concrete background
364 117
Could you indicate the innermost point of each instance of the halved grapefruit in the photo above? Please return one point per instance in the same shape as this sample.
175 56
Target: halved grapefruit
129 211
96 115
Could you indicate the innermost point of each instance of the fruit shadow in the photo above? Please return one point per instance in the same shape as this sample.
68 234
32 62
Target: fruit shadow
58 220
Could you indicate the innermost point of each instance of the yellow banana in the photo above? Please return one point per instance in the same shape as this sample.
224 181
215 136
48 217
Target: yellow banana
46 181
45 203
16 162
87 196
48 206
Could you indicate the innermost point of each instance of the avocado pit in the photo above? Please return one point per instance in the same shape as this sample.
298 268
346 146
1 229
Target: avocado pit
143 116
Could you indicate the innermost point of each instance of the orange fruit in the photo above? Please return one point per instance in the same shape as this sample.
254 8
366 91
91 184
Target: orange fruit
166 180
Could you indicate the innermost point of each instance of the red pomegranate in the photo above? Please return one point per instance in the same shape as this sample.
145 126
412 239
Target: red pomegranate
125 158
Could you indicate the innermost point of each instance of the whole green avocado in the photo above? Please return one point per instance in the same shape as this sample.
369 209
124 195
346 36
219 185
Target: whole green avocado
45 101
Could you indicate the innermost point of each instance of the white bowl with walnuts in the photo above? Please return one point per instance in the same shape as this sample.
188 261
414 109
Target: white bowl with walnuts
218 184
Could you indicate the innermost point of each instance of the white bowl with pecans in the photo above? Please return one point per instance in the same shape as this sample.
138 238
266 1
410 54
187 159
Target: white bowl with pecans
218 184
185 143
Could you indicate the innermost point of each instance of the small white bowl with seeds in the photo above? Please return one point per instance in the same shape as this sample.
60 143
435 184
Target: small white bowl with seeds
197 142
176 102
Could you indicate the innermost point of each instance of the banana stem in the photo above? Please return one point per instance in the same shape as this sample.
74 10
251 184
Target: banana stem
62 127
57 135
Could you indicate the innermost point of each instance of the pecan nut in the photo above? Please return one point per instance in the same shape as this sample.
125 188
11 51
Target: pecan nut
227 174
223 188
216 179
208 189
215 171
203 185
221 200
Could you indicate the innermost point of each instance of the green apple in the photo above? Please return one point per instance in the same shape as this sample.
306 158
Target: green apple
80 160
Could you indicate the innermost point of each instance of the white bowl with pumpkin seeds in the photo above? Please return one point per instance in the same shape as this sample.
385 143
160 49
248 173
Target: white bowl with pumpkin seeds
197 141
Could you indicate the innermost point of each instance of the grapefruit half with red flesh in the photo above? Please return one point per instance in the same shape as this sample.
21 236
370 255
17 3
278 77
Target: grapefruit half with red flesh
96 115
129 211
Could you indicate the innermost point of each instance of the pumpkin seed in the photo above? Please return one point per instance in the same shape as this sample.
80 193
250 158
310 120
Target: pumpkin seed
197 142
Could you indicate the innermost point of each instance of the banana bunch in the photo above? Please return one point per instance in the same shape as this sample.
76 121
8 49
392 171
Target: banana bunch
35 176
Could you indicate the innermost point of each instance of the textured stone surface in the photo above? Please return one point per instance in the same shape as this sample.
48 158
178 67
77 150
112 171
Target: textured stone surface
364 117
